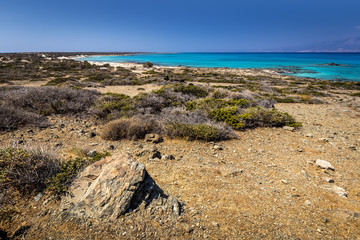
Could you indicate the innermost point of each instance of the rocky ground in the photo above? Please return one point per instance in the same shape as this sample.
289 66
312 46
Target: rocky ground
267 183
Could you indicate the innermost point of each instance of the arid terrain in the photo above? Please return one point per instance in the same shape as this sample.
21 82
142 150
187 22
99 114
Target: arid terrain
262 180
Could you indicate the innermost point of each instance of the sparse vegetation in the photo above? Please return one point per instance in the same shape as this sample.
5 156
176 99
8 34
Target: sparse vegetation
59 183
26 170
30 169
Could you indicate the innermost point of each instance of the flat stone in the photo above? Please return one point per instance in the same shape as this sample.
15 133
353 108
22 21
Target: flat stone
324 164
329 180
168 157
287 128
217 147
338 190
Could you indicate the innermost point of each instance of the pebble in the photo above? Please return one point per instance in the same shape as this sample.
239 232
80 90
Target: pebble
217 147
91 153
324 164
329 180
284 181
307 203
38 197
289 128
215 224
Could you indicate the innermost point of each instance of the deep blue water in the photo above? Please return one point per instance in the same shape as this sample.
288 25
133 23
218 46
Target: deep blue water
314 65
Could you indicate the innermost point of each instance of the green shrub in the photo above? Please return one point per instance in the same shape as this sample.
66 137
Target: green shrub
227 115
209 104
261 117
148 65
113 102
195 132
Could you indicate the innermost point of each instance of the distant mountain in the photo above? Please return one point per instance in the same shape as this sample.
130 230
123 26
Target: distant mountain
350 44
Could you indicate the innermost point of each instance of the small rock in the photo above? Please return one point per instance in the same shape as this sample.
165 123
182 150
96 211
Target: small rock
38 197
324 164
58 144
154 138
168 157
339 191
323 139
299 150
309 135
325 220
62 125
217 147
329 180
215 224
92 134
91 153
284 181
111 147
289 128
307 203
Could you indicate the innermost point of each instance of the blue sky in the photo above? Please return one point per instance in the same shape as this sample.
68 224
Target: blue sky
175 26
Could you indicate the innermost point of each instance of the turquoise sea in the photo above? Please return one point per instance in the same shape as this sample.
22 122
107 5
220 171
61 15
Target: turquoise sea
327 66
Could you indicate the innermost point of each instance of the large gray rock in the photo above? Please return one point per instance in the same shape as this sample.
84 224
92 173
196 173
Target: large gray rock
112 187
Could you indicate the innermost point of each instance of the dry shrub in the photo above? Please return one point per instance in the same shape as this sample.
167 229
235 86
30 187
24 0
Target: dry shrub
50 100
11 118
27 169
133 128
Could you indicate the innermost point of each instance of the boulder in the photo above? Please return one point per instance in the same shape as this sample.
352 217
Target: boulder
112 187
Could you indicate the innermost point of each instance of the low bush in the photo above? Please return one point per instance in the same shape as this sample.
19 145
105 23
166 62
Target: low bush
227 115
12 118
50 100
260 117
148 65
133 128
26 170
33 168
209 104
113 105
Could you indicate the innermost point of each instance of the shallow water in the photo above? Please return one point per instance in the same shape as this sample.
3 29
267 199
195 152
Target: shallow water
314 65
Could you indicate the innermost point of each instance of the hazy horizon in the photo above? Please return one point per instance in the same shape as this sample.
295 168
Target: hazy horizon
186 26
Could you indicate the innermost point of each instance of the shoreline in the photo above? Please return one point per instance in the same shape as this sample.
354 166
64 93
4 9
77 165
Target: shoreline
297 71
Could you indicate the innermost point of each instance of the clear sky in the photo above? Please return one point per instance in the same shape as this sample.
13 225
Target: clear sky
174 26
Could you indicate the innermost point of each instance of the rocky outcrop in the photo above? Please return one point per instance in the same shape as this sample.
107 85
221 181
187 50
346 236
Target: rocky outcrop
112 187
